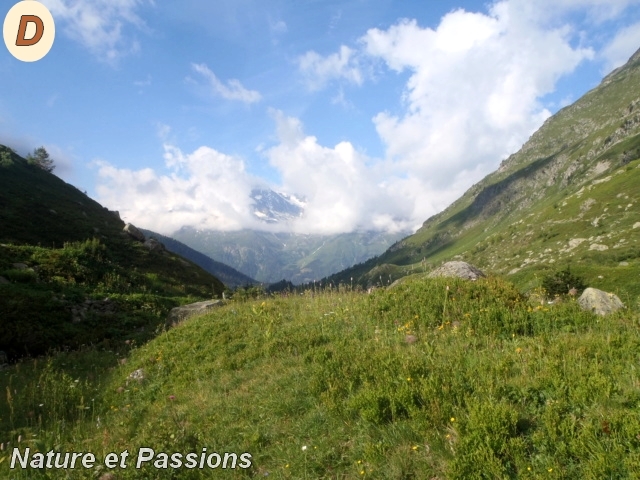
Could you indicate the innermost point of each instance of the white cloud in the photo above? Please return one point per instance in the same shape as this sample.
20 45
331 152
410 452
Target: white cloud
205 189
318 70
233 90
339 188
210 190
278 27
473 94
472 97
621 47
99 25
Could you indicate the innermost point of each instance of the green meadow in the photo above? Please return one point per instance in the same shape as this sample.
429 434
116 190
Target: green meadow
429 379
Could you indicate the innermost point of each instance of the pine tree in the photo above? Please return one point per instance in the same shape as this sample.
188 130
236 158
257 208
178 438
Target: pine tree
40 158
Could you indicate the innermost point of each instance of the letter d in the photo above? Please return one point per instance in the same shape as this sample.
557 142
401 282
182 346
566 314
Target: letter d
25 18
21 41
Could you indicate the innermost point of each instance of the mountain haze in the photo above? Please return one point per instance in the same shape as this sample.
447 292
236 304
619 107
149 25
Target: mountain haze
570 195
227 275
272 256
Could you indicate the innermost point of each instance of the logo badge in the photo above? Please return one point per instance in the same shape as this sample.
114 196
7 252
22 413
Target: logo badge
29 31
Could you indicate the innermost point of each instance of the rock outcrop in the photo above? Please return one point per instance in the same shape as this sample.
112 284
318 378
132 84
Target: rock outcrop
599 302
133 232
154 245
179 314
457 269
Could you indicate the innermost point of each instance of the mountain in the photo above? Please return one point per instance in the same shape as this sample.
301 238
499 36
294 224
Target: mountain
568 198
269 257
226 274
66 266
274 207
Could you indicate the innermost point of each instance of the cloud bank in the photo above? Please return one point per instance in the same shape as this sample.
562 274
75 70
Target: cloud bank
473 96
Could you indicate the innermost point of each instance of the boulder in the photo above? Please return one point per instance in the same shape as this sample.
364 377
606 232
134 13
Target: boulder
4 281
20 266
457 269
179 314
133 232
599 302
154 245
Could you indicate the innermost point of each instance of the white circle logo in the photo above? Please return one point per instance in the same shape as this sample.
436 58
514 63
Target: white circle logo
29 31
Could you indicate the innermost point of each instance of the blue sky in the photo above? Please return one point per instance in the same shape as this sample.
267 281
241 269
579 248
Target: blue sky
376 113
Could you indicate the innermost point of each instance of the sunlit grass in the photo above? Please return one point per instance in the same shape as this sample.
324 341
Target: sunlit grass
418 381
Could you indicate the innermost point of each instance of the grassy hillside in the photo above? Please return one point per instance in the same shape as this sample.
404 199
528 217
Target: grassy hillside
569 196
72 277
431 379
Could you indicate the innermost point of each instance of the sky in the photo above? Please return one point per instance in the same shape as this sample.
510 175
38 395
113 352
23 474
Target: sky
377 114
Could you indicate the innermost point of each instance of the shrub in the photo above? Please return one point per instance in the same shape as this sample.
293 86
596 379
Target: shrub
562 282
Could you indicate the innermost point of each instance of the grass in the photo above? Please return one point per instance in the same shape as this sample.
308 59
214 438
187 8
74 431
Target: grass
142 286
428 379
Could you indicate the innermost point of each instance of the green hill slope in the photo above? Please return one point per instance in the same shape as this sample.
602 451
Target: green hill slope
570 195
71 276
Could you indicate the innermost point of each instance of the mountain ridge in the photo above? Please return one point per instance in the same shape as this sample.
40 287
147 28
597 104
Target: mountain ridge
273 256
584 145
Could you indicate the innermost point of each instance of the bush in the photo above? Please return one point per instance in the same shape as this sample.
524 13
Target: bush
562 282
21 276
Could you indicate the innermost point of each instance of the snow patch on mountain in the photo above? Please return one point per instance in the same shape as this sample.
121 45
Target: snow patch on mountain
276 207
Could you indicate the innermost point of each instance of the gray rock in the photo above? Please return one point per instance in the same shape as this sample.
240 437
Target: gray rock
154 245
179 314
599 302
457 269
20 266
4 281
137 375
133 232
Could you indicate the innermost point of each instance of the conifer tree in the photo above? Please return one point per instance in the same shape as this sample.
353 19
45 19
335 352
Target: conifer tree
41 159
